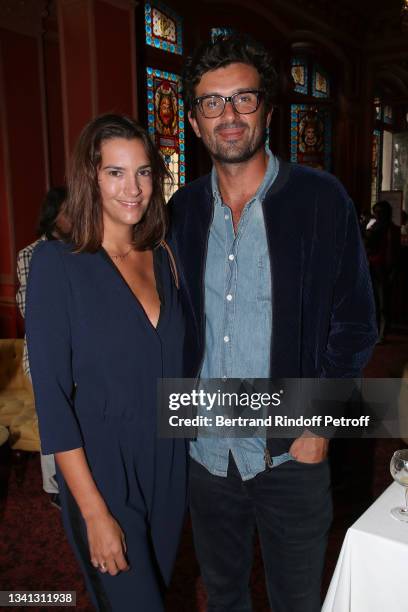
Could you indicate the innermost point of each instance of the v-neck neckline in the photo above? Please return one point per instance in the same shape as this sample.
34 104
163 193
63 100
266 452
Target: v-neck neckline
158 283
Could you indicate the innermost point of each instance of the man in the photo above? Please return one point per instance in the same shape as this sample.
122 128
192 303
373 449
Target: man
46 231
271 298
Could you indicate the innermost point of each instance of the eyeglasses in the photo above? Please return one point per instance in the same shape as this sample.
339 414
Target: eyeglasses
243 102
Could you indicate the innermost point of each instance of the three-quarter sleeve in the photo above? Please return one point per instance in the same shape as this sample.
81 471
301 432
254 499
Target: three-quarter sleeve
50 349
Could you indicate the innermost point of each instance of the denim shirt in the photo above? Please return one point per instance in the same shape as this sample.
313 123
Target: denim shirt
238 309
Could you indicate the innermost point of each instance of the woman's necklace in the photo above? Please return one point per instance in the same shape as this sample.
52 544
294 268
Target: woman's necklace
120 256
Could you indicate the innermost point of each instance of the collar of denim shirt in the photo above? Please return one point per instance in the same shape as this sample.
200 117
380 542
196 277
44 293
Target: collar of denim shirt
271 173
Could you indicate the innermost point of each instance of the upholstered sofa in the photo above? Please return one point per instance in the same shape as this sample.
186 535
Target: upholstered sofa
17 410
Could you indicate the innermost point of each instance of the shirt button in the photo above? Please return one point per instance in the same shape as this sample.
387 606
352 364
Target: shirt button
226 338
226 217
229 297
231 257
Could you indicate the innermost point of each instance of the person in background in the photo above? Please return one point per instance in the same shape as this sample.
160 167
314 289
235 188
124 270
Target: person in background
47 230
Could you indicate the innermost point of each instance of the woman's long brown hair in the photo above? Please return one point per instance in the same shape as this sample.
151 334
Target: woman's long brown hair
83 206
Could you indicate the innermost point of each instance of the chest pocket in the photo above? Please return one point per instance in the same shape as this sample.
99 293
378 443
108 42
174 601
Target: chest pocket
264 288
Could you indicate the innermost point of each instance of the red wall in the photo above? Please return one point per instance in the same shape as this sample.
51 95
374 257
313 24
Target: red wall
7 309
6 262
54 112
22 95
51 85
74 30
22 160
113 58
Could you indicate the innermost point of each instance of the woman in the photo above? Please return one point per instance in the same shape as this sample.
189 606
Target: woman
103 324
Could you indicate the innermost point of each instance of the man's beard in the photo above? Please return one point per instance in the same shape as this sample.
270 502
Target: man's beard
236 152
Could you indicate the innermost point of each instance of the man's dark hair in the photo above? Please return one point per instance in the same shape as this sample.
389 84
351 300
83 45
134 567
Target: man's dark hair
229 49
50 209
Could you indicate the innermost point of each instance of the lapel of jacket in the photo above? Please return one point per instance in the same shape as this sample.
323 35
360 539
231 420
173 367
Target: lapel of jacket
193 246
286 249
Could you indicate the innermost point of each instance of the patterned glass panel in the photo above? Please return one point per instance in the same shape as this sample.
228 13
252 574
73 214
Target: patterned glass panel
375 166
299 75
311 138
378 108
400 165
388 117
165 113
163 27
215 32
320 83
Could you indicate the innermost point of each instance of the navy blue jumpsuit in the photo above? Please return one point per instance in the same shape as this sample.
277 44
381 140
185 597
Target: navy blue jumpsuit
95 360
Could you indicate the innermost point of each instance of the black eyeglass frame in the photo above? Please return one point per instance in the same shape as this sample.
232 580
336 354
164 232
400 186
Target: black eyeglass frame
259 95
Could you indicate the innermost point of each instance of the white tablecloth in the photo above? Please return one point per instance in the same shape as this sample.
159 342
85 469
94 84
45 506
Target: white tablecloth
371 574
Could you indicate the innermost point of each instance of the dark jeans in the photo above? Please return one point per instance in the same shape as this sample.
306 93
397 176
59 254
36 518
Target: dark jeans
291 508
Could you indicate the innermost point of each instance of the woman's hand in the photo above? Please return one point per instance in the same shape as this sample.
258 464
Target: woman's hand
106 539
106 544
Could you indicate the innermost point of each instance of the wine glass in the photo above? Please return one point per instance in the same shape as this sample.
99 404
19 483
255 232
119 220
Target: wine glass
399 472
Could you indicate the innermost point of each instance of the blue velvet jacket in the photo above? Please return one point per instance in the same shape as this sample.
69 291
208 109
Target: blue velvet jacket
323 313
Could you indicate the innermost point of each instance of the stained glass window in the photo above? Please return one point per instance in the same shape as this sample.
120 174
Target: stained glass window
400 165
310 142
388 117
320 83
215 32
299 73
375 166
163 27
165 114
